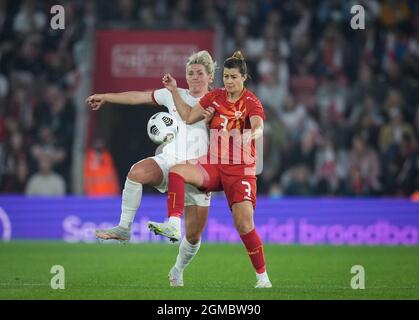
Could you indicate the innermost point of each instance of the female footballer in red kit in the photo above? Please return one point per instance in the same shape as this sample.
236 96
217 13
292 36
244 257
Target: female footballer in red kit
234 108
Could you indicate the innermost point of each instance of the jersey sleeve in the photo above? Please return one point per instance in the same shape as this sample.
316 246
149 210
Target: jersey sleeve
161 97
256 108
207 99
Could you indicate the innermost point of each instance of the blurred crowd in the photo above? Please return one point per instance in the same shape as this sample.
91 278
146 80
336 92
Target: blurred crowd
37 79
342 105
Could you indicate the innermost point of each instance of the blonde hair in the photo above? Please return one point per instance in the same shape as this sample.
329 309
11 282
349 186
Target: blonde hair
204 58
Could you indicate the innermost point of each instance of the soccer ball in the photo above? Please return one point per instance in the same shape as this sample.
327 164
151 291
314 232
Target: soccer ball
162 127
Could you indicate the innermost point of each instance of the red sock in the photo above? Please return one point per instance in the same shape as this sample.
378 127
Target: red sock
176 195
254 247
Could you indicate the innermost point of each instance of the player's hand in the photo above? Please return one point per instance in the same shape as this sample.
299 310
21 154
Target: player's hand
208 114
96 101
169 82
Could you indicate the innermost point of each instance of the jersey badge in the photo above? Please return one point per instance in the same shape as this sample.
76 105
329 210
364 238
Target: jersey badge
238 114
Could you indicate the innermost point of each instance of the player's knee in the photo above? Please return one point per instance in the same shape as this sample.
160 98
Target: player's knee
137 174
180 170
193 238
193 234
244 227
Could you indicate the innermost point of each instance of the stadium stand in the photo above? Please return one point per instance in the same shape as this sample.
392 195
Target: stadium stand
342 104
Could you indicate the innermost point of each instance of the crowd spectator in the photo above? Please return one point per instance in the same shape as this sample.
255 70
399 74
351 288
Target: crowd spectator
45 182
14 164
364 169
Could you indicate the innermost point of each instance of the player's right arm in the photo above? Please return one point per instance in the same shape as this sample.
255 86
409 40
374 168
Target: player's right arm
188 114
96 101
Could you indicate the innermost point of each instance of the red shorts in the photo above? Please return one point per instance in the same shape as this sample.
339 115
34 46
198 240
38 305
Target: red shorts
237 181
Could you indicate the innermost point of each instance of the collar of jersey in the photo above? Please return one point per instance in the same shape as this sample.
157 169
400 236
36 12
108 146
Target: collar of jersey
226 94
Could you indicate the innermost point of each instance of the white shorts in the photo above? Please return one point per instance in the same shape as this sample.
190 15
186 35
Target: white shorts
193 196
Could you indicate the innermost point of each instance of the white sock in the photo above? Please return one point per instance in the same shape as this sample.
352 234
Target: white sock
131 198
262 276
186 253
175 222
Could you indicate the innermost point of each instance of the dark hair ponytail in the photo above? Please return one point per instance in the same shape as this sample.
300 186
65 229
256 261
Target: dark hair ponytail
238 55
236 61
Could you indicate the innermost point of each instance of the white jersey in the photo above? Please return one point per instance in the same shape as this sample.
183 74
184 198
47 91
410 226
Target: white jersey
191 142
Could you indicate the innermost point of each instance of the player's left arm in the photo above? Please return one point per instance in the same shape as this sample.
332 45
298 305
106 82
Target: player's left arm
256 118
256 124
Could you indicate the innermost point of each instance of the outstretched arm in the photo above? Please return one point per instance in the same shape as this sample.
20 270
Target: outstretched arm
96 101
187 113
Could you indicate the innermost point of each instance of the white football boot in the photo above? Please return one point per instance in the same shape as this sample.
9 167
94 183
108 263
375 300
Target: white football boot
263 283
175 277
166 230
117 233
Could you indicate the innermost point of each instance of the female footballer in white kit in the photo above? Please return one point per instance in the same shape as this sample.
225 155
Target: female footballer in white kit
191 142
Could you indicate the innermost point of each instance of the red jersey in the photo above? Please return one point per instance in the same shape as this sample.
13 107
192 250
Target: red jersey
229 123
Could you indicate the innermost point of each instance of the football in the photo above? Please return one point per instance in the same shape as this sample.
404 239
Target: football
162 127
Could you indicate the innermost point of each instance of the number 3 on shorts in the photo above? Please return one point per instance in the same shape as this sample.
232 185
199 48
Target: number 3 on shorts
247 190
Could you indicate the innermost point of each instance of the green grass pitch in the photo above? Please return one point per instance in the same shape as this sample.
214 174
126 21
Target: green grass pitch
219 271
